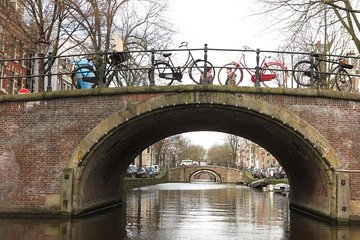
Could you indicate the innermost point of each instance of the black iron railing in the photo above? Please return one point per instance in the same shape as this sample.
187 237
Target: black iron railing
142 68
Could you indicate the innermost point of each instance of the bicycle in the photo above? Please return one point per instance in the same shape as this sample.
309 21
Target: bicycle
271 73
306 73
165 71
116 73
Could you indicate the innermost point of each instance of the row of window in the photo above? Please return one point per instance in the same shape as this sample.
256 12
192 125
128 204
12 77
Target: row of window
14 48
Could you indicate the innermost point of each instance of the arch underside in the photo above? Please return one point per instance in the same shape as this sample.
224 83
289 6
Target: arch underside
205 174
100 172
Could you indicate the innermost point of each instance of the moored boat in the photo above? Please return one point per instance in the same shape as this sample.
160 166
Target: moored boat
281 187
259 183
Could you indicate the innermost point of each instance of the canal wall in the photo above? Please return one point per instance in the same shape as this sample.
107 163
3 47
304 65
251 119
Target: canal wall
131 183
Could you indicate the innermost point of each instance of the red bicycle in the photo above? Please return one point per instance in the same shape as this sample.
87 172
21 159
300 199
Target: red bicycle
271 73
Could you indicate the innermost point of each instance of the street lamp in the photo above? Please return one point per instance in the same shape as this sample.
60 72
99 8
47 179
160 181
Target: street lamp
43 46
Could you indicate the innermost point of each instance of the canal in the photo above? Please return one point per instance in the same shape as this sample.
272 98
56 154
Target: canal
185 211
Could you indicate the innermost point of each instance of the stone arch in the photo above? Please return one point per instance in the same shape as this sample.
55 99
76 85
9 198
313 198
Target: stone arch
213 173
298 146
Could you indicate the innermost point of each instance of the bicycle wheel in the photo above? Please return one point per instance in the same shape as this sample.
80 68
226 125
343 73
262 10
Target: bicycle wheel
121 76
196 71
274 69
343 81
302 73
163 74
84 77
227 71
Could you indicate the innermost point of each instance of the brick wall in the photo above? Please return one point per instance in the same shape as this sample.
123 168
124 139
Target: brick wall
39 134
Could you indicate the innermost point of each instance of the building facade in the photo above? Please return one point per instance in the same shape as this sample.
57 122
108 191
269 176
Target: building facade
252 156
14 51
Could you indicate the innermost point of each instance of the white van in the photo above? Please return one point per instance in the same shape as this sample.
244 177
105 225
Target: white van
189 162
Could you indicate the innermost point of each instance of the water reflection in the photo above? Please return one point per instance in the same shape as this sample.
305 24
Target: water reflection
185 211
208 212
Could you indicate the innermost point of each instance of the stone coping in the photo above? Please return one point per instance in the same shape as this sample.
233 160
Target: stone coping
180 89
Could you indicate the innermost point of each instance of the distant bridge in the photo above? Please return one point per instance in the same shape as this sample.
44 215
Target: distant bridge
213 173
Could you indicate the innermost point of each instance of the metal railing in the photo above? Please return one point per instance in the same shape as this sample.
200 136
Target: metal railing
145 70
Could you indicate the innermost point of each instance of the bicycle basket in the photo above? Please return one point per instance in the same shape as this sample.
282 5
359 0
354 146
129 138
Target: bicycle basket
119 57
343 63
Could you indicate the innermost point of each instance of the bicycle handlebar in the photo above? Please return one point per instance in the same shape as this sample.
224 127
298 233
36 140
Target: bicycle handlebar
334 61
183 44
247 48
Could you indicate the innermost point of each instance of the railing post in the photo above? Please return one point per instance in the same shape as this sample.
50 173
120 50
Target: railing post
102 67
205 80
292 67
257 68
41 72
312 55
152 80
49 87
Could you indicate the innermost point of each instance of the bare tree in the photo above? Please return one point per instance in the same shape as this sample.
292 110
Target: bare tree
184 149
234 143
159 149
40 21
171 150
219 155
89 25
140 24
309 16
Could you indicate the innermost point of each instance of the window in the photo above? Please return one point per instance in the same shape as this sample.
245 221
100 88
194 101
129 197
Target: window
14 4
2 38
12 50
21 53
19 81
1 75
11 82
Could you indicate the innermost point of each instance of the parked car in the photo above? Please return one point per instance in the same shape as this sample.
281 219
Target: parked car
157 169
151 172
270 172
188 162
141 173
256 172
131 171
280 173
262 173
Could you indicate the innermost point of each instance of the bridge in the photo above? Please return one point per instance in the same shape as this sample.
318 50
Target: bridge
210 173
65 153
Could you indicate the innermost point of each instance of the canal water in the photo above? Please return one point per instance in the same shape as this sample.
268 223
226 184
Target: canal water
185 211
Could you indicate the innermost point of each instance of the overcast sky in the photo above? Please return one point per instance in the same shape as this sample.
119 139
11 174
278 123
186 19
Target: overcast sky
221 24
226 24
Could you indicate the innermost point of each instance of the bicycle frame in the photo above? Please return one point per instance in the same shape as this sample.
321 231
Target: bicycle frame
263 77
307 73
180 69
337 67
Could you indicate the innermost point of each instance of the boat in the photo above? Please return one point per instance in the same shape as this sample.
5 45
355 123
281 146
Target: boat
281 187
240 182
259 183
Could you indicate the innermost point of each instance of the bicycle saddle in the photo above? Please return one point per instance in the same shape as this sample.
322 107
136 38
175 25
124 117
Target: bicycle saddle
167 54
345 64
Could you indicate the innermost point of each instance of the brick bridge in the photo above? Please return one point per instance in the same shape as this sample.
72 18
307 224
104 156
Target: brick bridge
66 152
215 173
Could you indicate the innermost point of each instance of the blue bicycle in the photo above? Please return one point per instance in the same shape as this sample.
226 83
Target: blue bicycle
116 74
